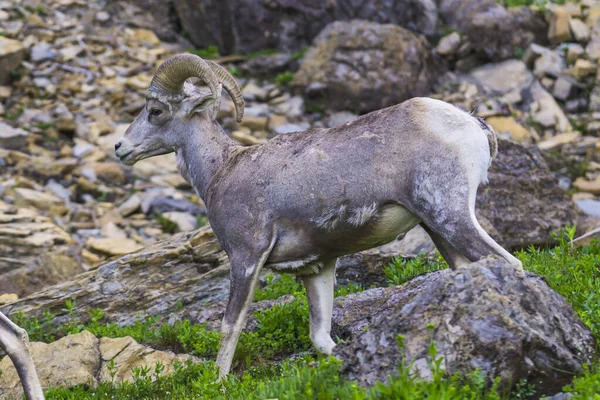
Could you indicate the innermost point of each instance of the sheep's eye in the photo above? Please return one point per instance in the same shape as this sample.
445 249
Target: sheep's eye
155 112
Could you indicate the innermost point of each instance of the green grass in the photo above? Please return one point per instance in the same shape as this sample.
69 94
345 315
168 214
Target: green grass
208 53
400 270
166 224
284 78
299 54
283 330
261 53
202 220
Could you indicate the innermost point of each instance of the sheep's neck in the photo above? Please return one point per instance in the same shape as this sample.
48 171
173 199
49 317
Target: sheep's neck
204 152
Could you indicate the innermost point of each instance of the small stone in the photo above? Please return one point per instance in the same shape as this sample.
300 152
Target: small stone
146 36
276 120
590 207
593 48
131 205
139 82
112 246
583 196
40 200
341 117
12 138
587 186
70 52
562 89
8 298
102 16
90 258
548 64
35 20
41 52
42 82
559 30
534 51
185 221
583 68
449 44
574 51
245 138
12 53
5 92
289 128
110 172
509 124
4 16
595 99
111 230
580 31
292 107
558 140
255 123
254 92
82 149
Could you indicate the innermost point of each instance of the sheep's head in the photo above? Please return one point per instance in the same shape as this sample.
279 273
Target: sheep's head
171 103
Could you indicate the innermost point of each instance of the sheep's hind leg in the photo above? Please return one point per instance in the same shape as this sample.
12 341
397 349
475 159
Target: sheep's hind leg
319 290
452 256
13 341
445 203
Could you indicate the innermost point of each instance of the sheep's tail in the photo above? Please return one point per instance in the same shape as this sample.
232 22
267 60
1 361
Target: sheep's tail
491 137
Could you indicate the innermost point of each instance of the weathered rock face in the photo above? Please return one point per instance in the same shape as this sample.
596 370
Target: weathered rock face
84 359
489 316
189 268
251 25
363 66
523 202
33 251
157 15
493 31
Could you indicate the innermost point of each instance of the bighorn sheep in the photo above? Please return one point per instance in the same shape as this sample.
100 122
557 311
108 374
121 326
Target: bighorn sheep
299 201
13 340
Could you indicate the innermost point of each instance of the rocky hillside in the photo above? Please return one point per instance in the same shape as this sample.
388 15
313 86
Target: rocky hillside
78 228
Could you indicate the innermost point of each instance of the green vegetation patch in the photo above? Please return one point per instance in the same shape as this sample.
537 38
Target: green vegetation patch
283 330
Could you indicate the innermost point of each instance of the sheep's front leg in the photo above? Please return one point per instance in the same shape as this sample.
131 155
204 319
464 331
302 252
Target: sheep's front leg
13 341
319 290
245 270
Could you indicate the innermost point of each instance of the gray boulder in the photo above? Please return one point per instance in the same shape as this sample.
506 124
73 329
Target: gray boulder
506 322
290 25
363 66
495 32
523 205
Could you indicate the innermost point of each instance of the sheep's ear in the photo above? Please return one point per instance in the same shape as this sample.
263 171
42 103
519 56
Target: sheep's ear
199 103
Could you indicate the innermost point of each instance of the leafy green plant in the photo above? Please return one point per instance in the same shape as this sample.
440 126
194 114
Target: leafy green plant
284 78
261 53
208 53
166 224
299 54
400 270
283 330
202 220
275 288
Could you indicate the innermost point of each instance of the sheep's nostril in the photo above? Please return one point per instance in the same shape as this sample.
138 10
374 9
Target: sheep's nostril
117 145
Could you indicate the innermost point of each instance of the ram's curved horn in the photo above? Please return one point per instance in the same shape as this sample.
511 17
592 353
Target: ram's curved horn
172 74
231 86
